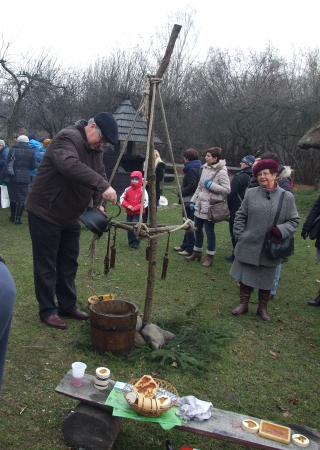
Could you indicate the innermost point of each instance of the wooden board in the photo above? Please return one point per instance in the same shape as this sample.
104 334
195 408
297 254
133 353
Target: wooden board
223 425
86 393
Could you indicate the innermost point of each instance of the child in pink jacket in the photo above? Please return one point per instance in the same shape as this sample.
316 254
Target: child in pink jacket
131 200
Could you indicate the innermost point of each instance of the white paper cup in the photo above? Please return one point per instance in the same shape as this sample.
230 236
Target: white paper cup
101 380
78 369
103 373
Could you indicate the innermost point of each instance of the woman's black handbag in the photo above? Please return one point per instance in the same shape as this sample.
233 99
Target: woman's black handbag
315 229
286 247
8 172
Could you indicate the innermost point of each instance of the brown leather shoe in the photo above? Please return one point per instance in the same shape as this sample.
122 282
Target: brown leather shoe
54 321
77 314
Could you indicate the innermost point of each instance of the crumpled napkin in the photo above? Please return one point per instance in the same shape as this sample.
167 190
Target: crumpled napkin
191 408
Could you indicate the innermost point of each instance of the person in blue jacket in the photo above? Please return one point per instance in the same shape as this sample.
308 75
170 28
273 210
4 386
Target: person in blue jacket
40 153
7 298
37 146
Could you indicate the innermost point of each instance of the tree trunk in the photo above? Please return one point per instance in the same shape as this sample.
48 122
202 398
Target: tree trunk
152 187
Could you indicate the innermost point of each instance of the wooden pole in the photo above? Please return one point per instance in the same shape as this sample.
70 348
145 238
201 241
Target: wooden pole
152 187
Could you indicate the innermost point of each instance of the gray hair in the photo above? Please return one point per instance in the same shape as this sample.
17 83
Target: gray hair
90 122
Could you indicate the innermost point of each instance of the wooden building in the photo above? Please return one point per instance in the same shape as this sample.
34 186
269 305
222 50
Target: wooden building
134 156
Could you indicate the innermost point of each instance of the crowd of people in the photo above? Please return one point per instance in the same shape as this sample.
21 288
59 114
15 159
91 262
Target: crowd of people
56 180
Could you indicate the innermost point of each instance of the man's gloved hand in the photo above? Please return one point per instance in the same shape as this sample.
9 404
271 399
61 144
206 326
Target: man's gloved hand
207 184
304 233
191 207
276 235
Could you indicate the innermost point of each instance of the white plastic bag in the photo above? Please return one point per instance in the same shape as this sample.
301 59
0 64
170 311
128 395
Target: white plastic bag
163 201
5 201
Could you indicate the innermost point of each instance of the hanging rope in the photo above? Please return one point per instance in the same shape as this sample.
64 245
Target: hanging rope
113 251
171 152
165 260
107 258
152 81
92 253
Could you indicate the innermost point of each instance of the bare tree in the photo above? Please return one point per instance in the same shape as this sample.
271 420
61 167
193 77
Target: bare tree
19 77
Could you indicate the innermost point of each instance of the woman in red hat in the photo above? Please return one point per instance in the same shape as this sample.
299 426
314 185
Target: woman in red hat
251 267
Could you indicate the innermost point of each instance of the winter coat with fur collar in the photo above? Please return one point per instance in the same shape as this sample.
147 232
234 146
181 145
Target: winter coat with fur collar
218 174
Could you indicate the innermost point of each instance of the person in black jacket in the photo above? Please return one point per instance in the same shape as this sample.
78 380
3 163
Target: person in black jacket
313 214
192 172
239 185
18 186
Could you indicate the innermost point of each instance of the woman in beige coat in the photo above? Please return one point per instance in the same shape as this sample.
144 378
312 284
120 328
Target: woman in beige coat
214 183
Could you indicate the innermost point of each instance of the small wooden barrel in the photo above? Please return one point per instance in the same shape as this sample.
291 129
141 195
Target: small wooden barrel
113 326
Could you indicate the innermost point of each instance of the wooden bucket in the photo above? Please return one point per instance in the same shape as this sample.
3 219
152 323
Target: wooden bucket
113 326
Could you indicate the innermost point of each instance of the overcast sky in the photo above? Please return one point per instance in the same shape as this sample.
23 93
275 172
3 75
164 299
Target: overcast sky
78 31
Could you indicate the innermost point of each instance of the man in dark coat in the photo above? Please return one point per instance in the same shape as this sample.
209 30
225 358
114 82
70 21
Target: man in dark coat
313 214
239 185
70 175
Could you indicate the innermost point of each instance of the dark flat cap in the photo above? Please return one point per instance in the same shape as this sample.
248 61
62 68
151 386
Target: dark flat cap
108 126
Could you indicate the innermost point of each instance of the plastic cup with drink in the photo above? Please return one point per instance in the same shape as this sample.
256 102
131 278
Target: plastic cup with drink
78 369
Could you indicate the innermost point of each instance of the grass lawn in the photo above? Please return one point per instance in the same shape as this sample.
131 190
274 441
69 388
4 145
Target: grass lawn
267 370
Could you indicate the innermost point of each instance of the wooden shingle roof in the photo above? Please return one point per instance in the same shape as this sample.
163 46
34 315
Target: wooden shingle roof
124 116
312 138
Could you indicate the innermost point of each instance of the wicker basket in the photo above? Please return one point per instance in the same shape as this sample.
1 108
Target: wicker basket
165 388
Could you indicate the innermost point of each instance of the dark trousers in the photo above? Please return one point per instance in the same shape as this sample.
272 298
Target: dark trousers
55 253
233 239
209 229
7 297
133 241
188 239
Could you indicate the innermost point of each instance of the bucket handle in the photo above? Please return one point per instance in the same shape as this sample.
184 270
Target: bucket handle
109 225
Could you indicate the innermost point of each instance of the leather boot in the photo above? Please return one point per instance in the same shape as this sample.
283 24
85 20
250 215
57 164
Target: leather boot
229 258
263 297
195 255
13 207
316 301
208 261
20 208
245 292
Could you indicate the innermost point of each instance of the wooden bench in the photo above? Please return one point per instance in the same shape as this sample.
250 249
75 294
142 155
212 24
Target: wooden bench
93 427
